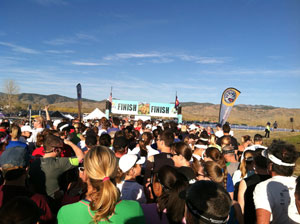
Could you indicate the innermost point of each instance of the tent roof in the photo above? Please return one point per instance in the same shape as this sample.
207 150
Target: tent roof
57 114
95 114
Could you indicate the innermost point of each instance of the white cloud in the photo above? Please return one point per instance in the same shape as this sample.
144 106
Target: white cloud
20 49
206 60
134 55
60 52
82 36
60 41
77 38
81 63
167 58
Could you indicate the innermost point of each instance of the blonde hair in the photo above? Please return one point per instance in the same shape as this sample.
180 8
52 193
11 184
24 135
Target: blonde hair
100 163
215 172
15 131
243 166
212 139
41 120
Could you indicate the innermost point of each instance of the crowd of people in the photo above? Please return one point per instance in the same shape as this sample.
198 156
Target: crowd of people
125 171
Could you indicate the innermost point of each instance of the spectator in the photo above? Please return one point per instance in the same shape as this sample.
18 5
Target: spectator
297 194
144 146
167 185
102 202
258 143
219 133
203 203
246 141
274 198
120 146
105 140
267 130
38 126
115 125
247 186
14 162
231 159
246 167
15 134
45 171
226 131
130 168
26 132
154 163
182 154
20 210
3 141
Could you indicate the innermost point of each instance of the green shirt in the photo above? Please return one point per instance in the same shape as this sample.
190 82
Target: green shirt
126 211
44 173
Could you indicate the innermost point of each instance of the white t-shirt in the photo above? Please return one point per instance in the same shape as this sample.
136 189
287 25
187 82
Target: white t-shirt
34 134
150 150
131 190
276 195
219 134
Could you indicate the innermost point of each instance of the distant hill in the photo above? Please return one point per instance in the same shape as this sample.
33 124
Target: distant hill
47 99
240 114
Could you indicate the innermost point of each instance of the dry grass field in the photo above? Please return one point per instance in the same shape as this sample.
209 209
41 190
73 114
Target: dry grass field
291 137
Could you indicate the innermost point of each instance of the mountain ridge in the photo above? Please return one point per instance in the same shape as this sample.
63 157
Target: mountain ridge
240 114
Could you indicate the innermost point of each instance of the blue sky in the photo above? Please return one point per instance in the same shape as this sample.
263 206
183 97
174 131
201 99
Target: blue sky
148 50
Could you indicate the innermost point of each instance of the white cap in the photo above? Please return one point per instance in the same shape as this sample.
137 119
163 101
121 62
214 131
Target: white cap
127 161
26 128
56 122
192 127
154 128
149 126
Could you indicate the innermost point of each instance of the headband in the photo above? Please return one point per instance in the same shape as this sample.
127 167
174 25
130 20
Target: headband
206 218
228 151
200 146
64 126
278 161
204 139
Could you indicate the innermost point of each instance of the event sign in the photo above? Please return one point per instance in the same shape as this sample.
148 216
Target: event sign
228 99
143 108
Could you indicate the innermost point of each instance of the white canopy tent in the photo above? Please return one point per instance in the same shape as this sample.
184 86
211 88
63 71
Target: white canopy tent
96 114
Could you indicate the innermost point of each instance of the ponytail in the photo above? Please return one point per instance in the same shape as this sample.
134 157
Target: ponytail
101 168
104 199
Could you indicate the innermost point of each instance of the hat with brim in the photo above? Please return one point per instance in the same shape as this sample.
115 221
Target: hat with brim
26 128
128 161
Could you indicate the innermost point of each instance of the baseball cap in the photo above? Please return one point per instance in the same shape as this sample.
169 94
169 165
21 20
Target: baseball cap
56 123
26 128
127 161
14 158
192 127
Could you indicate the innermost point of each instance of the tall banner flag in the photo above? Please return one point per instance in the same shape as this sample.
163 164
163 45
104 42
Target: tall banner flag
79 94
176 102
229 97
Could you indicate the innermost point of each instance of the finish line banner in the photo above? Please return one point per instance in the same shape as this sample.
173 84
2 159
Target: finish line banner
142 108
